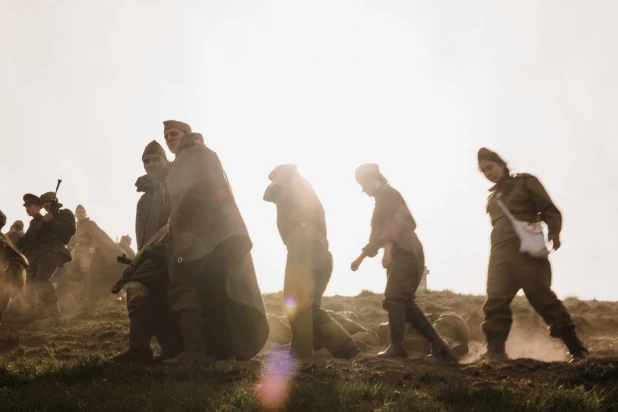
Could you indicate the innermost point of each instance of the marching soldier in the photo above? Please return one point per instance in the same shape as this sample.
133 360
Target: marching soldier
393 229
509 269
302 225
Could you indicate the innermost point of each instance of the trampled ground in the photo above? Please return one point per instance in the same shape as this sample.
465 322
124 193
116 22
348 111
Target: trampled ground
66 369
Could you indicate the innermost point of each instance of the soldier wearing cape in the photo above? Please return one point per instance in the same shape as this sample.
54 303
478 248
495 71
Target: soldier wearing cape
212 278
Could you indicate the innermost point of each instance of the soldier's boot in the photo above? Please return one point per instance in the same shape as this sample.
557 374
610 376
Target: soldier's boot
36 310
574 344
140 334
54 313
192 332
168 337
396 325
439 347
301 324
334 337
459 349
495 349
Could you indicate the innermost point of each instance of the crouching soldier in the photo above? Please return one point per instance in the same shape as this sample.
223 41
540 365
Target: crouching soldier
302 225
393 228
12 269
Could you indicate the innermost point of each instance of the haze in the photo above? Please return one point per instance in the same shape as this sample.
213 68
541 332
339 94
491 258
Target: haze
415 86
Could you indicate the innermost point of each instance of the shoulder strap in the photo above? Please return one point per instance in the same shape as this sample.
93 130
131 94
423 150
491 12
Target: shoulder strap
506 211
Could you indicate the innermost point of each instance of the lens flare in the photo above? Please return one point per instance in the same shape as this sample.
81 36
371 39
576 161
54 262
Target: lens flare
273 387
290 304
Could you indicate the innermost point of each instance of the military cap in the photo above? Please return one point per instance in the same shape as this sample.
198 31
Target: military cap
126 239
174 124
154 148
30 199
18 224
2 219
80 207
367 169
282 172
47 197
489 155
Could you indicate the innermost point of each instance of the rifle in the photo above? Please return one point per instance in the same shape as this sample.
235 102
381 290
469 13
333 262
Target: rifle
54 206
144 253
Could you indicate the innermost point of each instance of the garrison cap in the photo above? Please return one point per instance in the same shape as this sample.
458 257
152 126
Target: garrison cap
367 169
174 124
47 197
18 224
283 172
30 199
154 148
80 207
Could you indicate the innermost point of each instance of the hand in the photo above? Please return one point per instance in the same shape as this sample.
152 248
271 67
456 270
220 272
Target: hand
356 264
48 217
555 241
91 251
387 260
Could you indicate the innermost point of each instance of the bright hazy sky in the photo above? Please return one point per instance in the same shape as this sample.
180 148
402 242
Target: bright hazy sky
416 86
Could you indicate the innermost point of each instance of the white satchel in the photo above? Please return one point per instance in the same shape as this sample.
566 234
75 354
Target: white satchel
531 236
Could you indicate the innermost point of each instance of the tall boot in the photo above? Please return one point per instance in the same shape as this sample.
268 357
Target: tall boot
301 324
396 326
495 348
140 334
168 336
191 329
439 347
55 315
333 336
574 344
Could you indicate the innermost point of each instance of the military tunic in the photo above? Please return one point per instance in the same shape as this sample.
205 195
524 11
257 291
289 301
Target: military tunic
46 248
392 222
509 269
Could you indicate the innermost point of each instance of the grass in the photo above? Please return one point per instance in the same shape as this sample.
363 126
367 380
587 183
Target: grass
67 369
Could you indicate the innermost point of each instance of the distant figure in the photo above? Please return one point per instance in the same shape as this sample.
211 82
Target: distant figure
13 265
16 231
94 260
509 269
302 225
125 244
423 284
393 229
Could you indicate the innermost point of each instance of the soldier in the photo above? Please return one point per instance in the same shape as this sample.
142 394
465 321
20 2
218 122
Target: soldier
450 325
12 269
83 246
393 228
211 271
302 225
16 231
146 292
125 244
509 269
46 244
94 259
